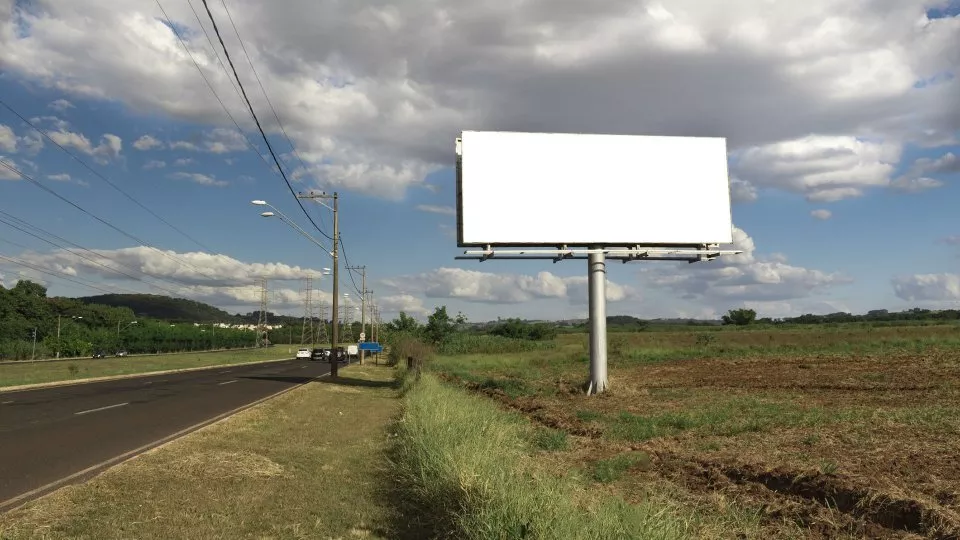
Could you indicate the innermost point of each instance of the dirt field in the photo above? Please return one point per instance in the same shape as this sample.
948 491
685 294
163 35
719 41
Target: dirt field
825 443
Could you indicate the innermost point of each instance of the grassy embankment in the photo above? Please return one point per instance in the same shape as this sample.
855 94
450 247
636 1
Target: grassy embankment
43 372
308 464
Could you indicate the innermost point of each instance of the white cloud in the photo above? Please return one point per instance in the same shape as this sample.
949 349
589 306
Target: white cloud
60 105
109 147
822 168
917 177
5 172
183 162
742 191
183 145
147 142
215 141
822 214
63 177
31 143
155 164
409 304
433 209
488 287
8 140
953 240
202 179
188 269
928 287
746 277
373 94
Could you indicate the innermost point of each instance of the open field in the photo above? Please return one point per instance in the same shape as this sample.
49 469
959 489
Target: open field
42 372
810 433
307 464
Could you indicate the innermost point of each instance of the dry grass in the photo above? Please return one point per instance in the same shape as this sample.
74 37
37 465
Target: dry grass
304 465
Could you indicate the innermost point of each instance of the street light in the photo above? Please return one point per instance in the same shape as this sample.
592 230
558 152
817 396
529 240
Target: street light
334 253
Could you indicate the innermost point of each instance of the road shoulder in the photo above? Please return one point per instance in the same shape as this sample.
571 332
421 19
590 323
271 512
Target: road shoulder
306 464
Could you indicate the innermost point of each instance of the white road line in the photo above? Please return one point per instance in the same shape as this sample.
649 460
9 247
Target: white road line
227 371
10 504
102 408
8 402
226 382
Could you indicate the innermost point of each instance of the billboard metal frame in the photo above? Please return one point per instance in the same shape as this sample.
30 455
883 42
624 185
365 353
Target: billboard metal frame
596 255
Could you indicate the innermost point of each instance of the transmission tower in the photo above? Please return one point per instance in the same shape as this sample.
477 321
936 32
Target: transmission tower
307 333
322 326
347 324
262 340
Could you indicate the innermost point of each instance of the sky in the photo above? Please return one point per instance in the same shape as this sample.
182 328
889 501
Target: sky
841 119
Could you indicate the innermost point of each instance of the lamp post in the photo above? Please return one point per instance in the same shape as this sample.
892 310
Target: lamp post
334 331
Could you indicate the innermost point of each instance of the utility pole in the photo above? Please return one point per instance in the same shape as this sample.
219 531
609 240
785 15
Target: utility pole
33 355
58 335
363 305
334 331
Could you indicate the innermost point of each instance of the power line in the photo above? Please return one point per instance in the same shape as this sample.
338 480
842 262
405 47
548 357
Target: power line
53 273
267 97
212 90
98 218
19 222
102 177
226 52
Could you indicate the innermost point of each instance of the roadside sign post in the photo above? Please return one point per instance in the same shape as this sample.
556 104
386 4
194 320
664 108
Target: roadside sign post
640 198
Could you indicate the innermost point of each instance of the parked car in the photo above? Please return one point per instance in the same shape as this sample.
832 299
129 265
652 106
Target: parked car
121 353
99 354
303 353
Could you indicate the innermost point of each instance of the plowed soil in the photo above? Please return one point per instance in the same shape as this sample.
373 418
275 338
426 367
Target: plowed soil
821 446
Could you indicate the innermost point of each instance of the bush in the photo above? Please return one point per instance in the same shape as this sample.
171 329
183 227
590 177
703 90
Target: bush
403 346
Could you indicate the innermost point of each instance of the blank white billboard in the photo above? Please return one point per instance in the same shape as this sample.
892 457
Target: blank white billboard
549 189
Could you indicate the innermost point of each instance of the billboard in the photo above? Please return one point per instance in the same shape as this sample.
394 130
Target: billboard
551 189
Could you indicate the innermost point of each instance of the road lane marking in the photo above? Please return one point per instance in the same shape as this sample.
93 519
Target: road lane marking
19 500
8 402
227 371
102 408
226 382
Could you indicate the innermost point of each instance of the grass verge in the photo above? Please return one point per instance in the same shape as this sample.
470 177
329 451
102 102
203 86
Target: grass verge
303 465
44 372
466 467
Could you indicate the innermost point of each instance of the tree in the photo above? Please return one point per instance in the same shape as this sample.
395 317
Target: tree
405 324
440 326
740 317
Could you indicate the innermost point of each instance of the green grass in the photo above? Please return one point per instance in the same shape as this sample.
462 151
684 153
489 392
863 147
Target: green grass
307 464
42 372
550 439
610 470
465 465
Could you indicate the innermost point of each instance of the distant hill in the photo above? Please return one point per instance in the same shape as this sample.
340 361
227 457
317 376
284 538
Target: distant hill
163 307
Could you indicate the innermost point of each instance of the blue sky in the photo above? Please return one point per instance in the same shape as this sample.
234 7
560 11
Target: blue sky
854 135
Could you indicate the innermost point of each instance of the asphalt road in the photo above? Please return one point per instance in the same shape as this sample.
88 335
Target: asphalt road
49 434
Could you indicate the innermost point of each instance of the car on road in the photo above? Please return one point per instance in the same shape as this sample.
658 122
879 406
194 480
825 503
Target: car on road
99 354
303 353
121 353
320 354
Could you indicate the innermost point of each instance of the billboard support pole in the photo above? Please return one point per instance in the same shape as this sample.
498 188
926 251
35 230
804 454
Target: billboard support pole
597 286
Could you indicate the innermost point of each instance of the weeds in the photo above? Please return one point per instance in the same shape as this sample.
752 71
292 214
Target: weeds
610 470
550 439
462 462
